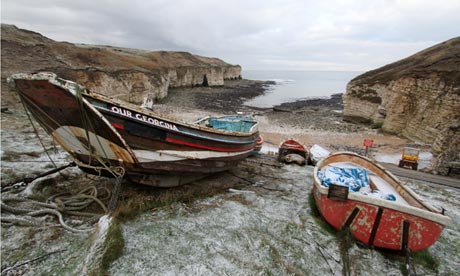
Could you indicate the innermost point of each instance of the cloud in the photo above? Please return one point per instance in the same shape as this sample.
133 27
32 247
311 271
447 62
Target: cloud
294 34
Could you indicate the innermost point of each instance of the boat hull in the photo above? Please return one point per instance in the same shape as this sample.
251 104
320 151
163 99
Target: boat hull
101 133
292 151
165 146
378 222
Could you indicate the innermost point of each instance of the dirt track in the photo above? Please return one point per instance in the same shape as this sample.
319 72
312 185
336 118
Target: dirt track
426 177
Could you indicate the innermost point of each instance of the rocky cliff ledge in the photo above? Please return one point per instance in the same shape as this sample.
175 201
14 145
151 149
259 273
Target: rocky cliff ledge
417 97
124 73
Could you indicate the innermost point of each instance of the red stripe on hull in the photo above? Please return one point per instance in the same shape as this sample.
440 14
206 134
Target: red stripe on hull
179 142
117 126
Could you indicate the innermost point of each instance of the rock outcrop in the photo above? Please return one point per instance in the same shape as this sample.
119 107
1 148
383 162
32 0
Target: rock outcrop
417 97
128 74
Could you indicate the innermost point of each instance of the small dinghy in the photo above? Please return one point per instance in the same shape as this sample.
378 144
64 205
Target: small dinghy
292 151
353 192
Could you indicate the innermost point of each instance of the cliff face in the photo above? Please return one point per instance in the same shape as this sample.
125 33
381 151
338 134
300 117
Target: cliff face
417 97
128 74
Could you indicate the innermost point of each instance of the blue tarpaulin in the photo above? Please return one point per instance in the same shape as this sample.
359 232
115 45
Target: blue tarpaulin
379 194
354 178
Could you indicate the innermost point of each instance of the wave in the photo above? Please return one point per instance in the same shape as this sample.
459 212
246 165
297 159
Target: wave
281 81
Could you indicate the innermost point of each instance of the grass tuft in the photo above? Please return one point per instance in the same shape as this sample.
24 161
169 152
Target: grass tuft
318 218
114 244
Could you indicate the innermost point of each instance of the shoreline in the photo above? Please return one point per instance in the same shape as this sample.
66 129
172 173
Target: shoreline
310 121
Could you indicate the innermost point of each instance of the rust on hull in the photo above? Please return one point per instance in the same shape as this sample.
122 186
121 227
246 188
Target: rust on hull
101 132
378 222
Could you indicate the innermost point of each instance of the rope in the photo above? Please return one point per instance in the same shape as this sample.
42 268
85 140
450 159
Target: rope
116 192
37 161
85 122
20 185
86 125
4 271
36 131
56 205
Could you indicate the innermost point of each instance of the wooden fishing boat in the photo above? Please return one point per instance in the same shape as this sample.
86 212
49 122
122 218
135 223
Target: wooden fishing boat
106 135
292 151
384 213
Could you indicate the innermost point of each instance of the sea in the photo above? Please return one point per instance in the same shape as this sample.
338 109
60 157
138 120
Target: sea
298 85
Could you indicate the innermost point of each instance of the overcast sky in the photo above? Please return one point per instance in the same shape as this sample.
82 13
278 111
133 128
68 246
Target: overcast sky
344 35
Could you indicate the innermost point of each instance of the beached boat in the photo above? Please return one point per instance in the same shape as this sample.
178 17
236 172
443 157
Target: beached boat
353 192
291 151
107 135
316 153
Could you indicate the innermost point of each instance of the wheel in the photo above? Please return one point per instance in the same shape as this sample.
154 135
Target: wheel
401 164
414 166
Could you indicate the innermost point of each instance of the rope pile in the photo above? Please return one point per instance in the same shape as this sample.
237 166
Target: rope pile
24 211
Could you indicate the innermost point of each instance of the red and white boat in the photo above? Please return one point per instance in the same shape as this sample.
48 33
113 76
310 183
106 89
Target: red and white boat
107 136
292 151
405 222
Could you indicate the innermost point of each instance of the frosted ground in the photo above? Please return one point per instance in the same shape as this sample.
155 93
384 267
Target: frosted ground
264 224
269 228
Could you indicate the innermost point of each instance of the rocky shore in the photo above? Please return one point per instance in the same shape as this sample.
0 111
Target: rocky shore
311 121
312 114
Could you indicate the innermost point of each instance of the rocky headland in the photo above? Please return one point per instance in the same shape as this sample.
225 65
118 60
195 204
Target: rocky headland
129 74
417 97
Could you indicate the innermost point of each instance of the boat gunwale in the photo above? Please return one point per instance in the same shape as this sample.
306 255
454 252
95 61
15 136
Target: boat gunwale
96 112
295 145
201 137
430 212
72 86
104 98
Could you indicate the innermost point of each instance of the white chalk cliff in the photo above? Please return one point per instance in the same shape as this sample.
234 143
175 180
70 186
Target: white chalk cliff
128 74
417 97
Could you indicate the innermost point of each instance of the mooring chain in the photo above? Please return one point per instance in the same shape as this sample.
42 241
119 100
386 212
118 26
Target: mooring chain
16 187
19 186
115 194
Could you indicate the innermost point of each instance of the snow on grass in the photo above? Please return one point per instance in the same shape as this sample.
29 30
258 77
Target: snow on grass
447 249
22 244
264 234
23 155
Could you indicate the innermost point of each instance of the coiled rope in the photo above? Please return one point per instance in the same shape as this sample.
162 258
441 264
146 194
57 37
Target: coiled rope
25 209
